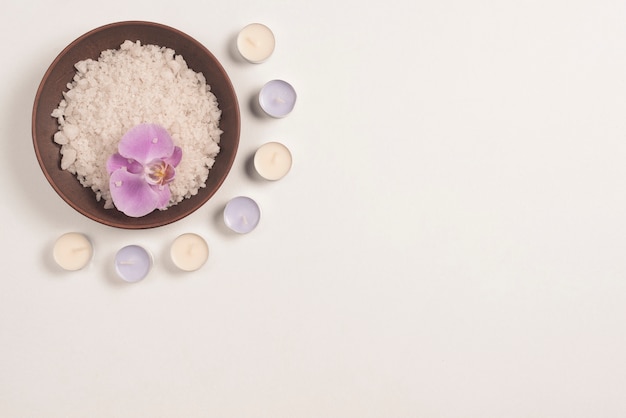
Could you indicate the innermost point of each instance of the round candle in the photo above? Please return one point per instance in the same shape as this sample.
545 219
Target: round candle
242 214
272 161
189 252
277 98
256 43
72 251
133 263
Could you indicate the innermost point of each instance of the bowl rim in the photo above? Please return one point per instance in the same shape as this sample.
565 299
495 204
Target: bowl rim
132 224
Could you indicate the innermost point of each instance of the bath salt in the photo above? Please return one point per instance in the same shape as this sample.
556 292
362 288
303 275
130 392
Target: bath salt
126 87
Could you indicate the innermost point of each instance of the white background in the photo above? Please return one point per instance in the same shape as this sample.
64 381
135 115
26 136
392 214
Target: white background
449 243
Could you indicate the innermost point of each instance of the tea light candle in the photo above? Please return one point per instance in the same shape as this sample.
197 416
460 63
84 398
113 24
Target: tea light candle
242 214
72 251
256 43
133 263
189 252
277 98
272 161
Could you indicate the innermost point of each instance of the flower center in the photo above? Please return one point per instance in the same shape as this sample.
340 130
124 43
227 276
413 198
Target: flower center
159 173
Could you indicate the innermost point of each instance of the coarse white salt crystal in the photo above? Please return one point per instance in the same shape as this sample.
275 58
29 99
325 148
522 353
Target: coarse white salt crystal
68 158
70 131
81 66
174 66
128 86
60 138
167 74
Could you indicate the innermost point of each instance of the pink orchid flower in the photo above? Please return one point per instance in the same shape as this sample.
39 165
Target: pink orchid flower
141 170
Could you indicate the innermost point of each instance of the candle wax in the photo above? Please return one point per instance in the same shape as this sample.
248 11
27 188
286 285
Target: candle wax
277 98
72 251
189 252
256 43
242 214
133 263
272 161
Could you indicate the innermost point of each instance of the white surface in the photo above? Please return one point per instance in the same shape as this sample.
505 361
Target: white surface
449 243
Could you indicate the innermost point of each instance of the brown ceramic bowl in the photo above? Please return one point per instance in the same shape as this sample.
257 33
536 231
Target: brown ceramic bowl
61 72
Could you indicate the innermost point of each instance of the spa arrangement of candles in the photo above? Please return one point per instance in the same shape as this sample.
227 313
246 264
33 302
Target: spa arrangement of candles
189 252
256 43
74 251
277 98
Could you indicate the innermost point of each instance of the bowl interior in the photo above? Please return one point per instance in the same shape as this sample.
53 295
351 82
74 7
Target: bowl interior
62 71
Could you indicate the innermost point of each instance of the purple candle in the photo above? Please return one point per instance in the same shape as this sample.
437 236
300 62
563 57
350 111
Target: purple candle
133 263
277 98
242 214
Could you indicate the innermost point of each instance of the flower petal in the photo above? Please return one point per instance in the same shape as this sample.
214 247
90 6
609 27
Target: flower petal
164 194
132 195
175 158
145 143
116 161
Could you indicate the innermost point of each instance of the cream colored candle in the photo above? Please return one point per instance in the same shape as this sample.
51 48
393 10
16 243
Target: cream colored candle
272 160
189 252
256 43
72 251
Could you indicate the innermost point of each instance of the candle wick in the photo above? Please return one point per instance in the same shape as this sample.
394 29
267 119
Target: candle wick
280 99
78 250
274 155
244 219
190 250
251 41
127 263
